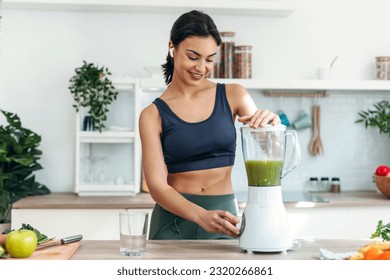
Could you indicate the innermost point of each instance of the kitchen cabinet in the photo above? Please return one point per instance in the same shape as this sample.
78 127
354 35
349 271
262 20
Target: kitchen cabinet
109 162
277 8
65 214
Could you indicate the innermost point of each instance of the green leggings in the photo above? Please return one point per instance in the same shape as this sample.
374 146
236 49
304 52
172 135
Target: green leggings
166 225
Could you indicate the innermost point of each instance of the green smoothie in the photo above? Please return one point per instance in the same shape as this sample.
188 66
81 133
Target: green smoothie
264 173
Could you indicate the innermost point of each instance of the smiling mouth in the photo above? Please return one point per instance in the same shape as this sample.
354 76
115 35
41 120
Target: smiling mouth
196 75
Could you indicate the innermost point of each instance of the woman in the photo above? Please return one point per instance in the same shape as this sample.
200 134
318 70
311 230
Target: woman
189 139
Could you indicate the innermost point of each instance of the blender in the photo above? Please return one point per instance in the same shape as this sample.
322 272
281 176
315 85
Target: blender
264 226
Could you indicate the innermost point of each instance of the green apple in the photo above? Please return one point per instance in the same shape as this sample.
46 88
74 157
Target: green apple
21 243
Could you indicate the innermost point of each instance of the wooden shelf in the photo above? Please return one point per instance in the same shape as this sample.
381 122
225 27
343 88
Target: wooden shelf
275 8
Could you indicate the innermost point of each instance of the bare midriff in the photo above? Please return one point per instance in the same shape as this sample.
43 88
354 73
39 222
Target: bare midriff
215 181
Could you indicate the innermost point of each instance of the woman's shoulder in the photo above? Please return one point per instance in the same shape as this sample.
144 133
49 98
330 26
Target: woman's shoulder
235 90
149 112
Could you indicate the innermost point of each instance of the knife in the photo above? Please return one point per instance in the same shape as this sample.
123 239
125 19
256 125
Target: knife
63 241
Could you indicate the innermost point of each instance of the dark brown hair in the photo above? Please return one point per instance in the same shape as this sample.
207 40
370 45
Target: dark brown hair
194 23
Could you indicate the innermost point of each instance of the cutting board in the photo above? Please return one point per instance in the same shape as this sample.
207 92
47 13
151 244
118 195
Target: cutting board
56 252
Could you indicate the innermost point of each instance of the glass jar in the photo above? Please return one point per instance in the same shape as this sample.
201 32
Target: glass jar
243 62
214 73
383 68
313 184
226 65
335 185
324 185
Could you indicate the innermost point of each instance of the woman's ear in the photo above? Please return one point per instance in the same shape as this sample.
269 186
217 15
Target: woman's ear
171 52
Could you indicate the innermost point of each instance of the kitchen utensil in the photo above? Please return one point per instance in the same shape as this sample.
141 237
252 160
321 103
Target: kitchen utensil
264 226
315 146
319 147
63 241
283 118
303 121
314 132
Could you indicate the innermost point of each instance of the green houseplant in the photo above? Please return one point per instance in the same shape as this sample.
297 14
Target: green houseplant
19 155
377 117
92 88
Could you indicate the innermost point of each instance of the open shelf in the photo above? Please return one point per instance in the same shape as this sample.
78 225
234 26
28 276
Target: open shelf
313 84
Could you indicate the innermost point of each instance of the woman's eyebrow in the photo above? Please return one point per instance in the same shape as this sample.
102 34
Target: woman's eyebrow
194 52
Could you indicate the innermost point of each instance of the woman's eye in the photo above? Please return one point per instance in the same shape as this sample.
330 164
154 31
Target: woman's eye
192 58
209 60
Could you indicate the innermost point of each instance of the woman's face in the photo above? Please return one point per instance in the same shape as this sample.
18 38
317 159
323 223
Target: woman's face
194 58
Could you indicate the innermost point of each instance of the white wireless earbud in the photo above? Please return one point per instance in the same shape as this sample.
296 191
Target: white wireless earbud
171 52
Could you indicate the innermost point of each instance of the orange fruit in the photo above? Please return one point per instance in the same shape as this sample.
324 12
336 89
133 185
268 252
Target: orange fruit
3 237
372 253
384 256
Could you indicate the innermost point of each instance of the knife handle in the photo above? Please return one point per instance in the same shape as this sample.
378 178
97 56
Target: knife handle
70 239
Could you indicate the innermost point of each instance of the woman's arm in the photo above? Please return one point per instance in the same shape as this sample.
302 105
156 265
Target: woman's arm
245 108
156 178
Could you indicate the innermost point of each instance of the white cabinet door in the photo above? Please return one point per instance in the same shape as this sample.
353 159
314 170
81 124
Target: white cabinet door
93 224
335 222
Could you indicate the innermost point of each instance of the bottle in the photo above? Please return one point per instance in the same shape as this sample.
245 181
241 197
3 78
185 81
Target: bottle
324 185
335 185
243 62
227 55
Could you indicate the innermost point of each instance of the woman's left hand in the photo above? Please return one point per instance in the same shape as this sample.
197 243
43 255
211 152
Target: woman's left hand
260 118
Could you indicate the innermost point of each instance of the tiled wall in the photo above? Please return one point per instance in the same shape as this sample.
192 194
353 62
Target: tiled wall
350 151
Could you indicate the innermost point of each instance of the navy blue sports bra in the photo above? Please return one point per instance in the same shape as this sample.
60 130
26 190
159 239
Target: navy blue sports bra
202 145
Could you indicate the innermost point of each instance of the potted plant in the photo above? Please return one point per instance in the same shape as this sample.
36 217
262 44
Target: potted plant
92 88
378 117
19 155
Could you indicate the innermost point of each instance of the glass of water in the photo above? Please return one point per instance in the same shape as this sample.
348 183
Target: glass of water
133 228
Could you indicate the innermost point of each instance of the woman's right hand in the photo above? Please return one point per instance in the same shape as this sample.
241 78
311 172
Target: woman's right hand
219 221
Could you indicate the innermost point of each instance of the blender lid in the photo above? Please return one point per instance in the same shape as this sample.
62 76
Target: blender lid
268 127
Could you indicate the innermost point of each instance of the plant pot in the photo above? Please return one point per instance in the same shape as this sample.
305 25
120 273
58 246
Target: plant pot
88 124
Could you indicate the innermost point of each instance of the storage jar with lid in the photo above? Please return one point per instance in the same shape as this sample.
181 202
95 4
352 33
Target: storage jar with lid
335 185
313 185
227 55
383 68
324 185
243 62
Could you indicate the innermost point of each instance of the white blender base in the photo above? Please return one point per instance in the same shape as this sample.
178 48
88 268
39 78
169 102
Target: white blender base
264 226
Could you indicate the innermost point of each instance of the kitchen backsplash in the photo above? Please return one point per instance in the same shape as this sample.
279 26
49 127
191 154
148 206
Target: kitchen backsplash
351 152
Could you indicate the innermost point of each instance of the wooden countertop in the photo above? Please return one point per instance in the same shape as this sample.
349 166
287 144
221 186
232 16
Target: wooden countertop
211 250
144 200
74 201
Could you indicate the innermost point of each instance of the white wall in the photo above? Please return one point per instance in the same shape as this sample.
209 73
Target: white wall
39 51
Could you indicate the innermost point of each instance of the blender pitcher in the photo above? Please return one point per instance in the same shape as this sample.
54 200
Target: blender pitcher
264 151
264 226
